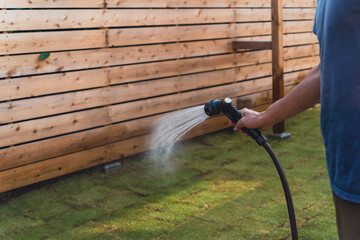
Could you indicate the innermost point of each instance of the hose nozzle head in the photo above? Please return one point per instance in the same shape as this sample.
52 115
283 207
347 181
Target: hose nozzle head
215 107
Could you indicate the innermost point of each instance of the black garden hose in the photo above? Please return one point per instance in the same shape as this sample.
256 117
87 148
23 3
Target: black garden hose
215 107
286 188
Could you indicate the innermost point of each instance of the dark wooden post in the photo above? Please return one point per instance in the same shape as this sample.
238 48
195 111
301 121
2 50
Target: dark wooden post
277 60
277 47
277 56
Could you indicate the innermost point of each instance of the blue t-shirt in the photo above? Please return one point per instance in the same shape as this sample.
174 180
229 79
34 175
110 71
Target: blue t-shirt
337 26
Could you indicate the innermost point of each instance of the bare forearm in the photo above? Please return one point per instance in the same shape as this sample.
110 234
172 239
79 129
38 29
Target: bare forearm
303 96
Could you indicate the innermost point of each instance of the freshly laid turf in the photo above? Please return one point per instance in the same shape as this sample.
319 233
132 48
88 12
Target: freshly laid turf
222 186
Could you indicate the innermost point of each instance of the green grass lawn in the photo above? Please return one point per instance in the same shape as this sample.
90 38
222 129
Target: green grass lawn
223 186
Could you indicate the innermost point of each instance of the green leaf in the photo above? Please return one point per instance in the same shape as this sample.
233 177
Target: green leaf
44 55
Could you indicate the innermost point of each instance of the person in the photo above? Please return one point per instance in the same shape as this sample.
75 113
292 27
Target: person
336 84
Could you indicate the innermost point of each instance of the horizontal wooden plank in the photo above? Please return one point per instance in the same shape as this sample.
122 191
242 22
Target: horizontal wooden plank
15 20
296 3
299 38
148 3
265 69
15 43
302 63
298 26
264 14
253 71
46 127
296 77
37 172
54 104
52 83
205 3
139 72
113 4
290 39
124 36
27 42
51 4
59 19
261 100
301 51
289 53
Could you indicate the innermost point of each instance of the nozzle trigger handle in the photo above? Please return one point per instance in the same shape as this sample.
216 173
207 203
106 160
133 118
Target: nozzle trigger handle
234 115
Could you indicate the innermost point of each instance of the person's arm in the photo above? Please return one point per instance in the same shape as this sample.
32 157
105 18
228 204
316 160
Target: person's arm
303 96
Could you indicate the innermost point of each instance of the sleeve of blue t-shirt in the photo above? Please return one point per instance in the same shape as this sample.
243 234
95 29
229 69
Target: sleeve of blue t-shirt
314 26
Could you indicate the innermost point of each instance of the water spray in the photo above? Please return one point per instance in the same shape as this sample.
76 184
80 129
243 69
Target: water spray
215 107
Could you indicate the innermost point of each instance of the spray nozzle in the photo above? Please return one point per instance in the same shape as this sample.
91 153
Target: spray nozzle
215 107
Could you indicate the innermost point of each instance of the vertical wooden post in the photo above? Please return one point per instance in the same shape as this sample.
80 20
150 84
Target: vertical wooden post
277 56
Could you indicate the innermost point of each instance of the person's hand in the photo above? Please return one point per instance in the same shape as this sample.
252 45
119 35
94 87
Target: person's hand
252 119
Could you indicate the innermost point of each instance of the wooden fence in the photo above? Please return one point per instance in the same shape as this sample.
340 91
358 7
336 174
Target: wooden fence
82 81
